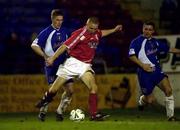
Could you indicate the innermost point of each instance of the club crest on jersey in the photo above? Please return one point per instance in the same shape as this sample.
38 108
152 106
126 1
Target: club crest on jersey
58 37
93 44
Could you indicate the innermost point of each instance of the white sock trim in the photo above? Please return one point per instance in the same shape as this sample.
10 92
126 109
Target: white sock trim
63 105
141 102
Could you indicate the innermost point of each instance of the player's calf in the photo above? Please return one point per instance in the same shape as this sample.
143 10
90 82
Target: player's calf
47 98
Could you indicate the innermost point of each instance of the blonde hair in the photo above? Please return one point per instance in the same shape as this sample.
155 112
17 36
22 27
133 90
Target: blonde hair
93 20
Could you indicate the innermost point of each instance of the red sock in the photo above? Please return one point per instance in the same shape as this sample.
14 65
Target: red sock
93 104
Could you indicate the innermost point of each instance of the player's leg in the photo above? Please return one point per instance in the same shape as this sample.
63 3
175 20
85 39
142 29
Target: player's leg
145 100
65 100
50 72
89 80
48 97
43 110
42 113
142 101
147 86
165 86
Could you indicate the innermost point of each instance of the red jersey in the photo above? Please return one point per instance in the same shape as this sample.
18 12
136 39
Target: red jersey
82 44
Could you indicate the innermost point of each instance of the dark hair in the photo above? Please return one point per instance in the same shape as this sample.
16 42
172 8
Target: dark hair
150 23
56 12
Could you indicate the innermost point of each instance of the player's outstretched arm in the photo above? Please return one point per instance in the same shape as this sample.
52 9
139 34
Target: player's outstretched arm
58 52
110 31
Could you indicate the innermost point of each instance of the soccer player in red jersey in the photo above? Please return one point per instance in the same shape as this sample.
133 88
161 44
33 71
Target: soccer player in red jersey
81 47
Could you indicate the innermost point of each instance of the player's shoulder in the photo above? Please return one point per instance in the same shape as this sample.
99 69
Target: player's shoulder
155 39
137 39
78 31
47 30
99 32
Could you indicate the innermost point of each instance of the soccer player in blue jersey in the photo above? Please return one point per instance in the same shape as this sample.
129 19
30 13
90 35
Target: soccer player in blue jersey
144 51
45 45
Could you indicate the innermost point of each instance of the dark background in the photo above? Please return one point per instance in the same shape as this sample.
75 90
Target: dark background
21 21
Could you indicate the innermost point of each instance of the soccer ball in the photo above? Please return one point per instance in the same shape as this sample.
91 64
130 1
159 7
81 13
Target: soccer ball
77 115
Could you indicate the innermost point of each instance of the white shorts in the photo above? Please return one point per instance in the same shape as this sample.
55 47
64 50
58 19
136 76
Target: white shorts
73 68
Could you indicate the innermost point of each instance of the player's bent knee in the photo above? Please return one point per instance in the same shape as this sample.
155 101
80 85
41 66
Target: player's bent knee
168 91
150 101
95 88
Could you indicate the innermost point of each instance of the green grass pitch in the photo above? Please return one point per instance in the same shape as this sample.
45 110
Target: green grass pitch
120 119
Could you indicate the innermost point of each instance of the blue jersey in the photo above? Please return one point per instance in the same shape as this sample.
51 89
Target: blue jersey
50 39
147 51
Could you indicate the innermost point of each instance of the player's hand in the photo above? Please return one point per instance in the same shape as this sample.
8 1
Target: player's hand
147 67
118 28
49 61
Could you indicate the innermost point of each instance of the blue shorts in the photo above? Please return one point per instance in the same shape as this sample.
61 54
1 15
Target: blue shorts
50 72
148 80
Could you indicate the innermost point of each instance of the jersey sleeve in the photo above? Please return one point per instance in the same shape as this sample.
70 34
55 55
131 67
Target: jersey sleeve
163 47
41 39
133 48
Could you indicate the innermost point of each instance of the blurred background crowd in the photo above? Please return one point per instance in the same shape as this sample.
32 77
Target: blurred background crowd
22 20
